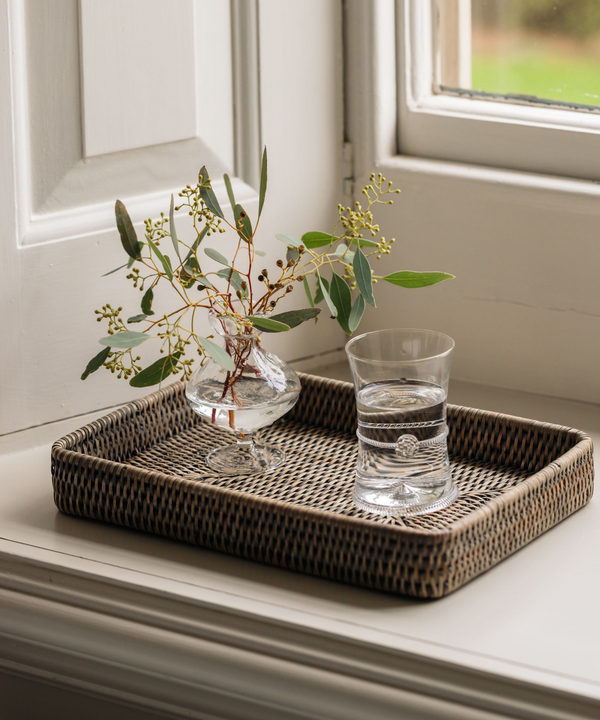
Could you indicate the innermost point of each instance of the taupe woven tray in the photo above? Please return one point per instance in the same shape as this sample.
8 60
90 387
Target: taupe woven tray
142 467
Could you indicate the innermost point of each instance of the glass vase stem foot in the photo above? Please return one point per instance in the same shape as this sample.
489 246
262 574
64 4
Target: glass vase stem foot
245 457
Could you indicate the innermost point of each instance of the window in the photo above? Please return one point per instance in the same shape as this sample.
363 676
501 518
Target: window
442 114
501 194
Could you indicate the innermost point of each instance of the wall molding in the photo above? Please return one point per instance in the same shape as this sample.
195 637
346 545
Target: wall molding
161 651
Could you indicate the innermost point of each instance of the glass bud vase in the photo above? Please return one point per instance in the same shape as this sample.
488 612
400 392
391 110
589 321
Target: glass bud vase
260 390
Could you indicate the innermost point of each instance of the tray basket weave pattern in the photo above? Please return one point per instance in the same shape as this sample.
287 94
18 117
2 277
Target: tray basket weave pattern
142 467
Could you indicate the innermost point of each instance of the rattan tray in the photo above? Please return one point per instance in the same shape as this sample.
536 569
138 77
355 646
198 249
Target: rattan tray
142 467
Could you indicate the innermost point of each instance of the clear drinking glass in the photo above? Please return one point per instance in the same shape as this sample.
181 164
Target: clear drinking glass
401 382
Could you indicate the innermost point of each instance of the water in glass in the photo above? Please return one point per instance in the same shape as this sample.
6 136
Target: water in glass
402 453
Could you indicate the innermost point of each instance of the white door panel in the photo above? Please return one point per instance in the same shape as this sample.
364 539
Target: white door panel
138 73
68 151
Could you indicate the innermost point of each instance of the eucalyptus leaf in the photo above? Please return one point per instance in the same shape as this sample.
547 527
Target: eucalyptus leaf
125 339
409 279
208 195
196 244
315 239
260 253
342 299
358 310
364 276
344 253
292 254
308 292
172 228
231 276
361 242
293 318
330 304
216 256
164 261
319 293
129 239
137 318
268 324
230 194
156 372
217 353
289 240
147 302
205 282
110 272
242 223
189 273
96 362
263 182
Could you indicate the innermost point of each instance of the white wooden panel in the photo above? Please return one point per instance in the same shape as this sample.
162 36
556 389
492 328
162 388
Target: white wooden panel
138 73
51 83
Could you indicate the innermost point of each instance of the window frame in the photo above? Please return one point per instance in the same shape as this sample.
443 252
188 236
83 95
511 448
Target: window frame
487 132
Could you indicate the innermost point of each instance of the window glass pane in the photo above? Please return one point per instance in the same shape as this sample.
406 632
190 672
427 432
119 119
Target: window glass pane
545 51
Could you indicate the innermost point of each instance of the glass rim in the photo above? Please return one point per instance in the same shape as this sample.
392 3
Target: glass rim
353 340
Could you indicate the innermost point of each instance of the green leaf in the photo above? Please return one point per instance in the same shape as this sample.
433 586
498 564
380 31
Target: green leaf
172 229
361 242
267 324
217 353
204 281
129 239
156 372
230 194
125 339
110 272
207 194
330 304
231 276
358 310
260 253
96 362
409 279
242 223
216 255
364 276
263 182
315 239
196 244
164 261
342 299
344 253
291 254
147 302
289 240
319 294
293 318
308 292
189 273
137 318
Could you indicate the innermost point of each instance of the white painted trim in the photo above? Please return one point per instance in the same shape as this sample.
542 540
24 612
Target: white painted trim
100 217
197 659
246 90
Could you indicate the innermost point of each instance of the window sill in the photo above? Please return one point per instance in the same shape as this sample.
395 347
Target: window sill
160 625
